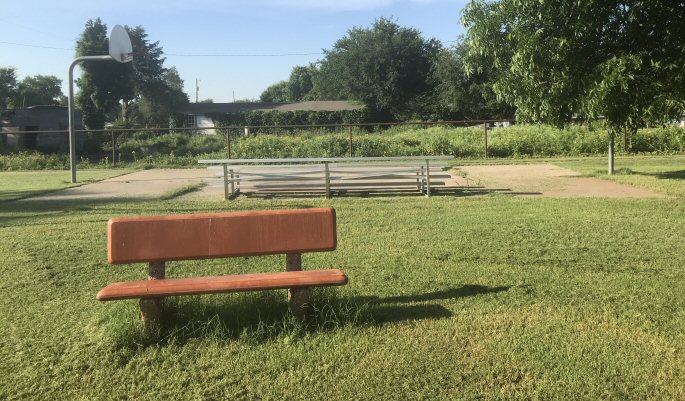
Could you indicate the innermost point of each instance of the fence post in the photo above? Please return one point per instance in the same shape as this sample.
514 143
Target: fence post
350 128
114 150
228 143
485 128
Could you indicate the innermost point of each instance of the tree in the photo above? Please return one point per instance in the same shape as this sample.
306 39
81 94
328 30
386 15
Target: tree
161 98
157 90
277 93
301 83
39 90
103 84
387 67
467 96
8 86
142 91
623 61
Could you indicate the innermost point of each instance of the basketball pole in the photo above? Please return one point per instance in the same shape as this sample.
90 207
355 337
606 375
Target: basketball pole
72 133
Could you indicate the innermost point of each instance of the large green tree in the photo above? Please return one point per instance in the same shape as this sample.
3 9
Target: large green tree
8 86
623 61
39 90
386 66
467 96
157 90
276 93
103 84
142 92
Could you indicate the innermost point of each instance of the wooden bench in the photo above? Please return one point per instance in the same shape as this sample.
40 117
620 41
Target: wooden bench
158 239
329 174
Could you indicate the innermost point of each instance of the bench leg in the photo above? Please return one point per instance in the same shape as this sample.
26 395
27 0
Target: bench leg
151 308
298 298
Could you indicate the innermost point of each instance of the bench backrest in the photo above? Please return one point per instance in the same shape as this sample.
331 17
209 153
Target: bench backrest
215 235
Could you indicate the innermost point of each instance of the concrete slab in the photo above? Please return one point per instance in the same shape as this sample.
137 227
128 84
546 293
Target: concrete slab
141 184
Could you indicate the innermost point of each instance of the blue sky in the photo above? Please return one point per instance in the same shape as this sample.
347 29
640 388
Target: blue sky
212 27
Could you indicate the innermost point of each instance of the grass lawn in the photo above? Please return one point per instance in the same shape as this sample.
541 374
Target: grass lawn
492 297
23 184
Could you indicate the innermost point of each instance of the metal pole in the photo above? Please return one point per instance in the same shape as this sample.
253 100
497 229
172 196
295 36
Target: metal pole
228 143
625 140
350 141
328 181
114 150
225 181
611 153
428 178
72 134
485 128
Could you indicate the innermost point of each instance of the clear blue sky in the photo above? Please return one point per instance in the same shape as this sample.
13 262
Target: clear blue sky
195 27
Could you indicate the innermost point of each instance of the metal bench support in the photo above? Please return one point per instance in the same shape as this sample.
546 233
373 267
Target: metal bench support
151 308
298 298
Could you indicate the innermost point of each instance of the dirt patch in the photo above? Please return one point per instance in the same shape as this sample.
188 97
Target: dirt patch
141 184
550 181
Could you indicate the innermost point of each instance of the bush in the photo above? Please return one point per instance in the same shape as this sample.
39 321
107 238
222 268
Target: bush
147 149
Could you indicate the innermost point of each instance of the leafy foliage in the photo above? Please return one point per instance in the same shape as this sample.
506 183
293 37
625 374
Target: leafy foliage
623 60
39 90
467 97
276 93
8 86
385 66
142 92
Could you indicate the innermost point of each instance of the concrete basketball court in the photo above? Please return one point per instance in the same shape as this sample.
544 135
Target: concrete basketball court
536 180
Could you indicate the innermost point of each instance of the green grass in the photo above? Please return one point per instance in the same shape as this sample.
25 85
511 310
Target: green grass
175 193
492 297
22 184
661 173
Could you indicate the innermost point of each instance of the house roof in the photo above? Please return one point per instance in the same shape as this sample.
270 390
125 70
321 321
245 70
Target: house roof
320 105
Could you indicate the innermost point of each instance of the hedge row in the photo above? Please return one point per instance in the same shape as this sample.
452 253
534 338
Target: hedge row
262 118
148 149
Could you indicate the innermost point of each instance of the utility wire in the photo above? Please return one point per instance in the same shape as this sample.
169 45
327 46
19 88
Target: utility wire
175 54
38 46
242 55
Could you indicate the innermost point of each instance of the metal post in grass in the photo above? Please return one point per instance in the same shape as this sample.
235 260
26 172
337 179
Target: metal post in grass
225 181
327 173
114 149
228 143
350 128
428 178
485 129
120 50
298 298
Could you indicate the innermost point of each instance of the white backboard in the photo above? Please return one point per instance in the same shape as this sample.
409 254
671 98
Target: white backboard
120 45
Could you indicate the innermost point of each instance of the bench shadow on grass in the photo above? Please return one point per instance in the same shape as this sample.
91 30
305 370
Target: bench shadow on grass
666 175
264 316
461 191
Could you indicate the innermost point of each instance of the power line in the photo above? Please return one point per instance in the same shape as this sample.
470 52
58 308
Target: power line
177 54
38 46
243 55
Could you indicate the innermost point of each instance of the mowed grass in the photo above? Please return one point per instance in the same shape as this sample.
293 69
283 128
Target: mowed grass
22 184
661 173
492 297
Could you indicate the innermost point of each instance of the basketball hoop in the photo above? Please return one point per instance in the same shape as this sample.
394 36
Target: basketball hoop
120 47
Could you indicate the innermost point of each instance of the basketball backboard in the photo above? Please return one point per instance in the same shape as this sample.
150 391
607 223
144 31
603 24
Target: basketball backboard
120 45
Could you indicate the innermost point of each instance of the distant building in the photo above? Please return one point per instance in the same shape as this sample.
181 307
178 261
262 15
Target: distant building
16 128
197 115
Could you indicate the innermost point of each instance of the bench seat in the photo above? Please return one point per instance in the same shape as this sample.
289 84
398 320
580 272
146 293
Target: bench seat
221 284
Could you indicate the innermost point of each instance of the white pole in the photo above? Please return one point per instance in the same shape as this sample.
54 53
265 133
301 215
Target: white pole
72 134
